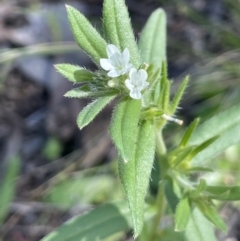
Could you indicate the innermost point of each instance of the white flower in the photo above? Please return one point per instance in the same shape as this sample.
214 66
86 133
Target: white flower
117 63
136 82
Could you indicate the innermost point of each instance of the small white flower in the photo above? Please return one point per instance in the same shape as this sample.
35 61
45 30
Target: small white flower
136 82
117 63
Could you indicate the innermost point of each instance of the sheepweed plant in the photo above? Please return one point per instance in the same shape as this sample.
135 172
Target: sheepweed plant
136 76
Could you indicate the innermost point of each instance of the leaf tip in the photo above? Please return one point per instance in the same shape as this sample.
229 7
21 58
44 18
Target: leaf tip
80 127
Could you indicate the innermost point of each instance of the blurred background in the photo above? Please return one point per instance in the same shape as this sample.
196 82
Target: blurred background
62 171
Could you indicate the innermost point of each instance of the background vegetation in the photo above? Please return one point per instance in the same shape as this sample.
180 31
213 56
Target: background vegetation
50 170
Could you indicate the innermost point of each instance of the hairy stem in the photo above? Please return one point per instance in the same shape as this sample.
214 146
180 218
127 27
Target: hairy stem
160 204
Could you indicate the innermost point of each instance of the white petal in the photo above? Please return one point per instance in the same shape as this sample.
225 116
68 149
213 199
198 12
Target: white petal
131 72
116 60
142 74
106 64
128 67
142 85
126 56
112 49
145 84
135 94
135 78
129 84
114 73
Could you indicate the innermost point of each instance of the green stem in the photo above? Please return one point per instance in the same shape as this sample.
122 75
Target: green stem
158 217
160 146
161 151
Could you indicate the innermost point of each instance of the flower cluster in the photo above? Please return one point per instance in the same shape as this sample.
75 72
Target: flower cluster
118 64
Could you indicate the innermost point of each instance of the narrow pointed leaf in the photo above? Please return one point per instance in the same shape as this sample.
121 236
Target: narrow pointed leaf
182 214
188 133
96 224
171 196
165 93
227 193
124 126
86 35
152 43
135 173
199 169
212 215
178 96
199 228
154 89
226 139
216 125
202 147
81 93
91 111
118 28
200 188
74 73
163 81
181 156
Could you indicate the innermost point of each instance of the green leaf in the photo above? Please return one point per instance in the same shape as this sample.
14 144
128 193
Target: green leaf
152 93
182 214
199 228
7 188
81 93
124 126
152 43
160 86
181 156
94 225
227 138
178 96
188 133
202 147
165 96
216 125
135 173
199 188
226 124
74 73
211 214
199 169
171 197
226 193
91 110
118 28
86 35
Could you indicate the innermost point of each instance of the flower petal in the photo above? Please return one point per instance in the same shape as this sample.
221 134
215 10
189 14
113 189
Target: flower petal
112 49
142 74
135 94
106 64
116 60
131 72
114 73
142 84
126 56
126 69
129 84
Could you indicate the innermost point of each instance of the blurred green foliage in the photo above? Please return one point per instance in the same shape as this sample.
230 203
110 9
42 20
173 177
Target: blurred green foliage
7 186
